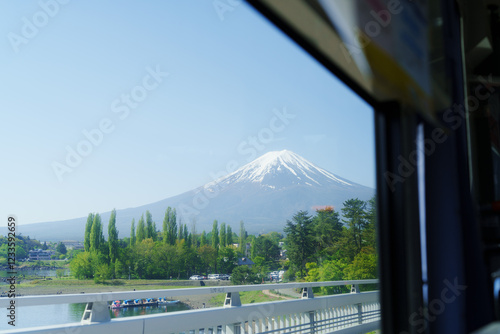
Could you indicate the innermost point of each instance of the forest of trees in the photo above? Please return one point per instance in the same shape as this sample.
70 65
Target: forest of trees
329 248
173 252
323 247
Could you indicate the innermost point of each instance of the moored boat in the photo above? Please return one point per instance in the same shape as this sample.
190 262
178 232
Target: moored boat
139 302
151 302
128 303
163 301
116 304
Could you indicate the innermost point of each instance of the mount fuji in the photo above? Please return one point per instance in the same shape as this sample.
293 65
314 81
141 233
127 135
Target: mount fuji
263 194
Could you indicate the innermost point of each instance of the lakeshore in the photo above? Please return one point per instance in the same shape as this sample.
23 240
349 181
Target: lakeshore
53 286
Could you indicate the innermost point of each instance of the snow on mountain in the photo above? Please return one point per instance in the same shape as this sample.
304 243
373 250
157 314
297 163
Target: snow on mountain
280 169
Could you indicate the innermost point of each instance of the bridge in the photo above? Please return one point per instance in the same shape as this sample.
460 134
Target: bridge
355 312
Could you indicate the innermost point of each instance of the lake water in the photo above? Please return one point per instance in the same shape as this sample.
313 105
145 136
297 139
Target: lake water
33 316
33 272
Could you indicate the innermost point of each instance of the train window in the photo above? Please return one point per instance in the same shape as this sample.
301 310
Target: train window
205 115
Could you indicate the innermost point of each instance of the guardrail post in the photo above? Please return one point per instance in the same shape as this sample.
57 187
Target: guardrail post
307 293
232 299
96 312
355 289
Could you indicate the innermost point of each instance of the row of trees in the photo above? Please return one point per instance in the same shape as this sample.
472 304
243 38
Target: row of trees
328 248
148 253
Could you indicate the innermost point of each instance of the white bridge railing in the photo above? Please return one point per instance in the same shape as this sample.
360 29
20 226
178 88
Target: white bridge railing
355 312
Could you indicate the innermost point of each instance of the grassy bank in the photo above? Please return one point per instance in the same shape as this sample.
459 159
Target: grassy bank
247 297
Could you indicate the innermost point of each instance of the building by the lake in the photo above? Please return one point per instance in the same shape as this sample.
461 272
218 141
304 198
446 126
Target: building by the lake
40 254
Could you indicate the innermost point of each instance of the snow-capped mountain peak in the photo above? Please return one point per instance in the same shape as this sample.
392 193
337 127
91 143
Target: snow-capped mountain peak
280 169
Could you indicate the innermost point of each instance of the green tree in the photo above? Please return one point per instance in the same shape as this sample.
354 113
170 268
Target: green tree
300 240
274 237
229 236
370 235
166 226
222 235
267 249
141 230
203 239
96 235
132 233
170 226
112 237
215 242
155 232
150 230
61 248
261 267
180 233
21 253
364 265
185 235
244 275
102 272
356 223
242 240
215 235
330 270
226 260
327 231
88 228
208 257
82 265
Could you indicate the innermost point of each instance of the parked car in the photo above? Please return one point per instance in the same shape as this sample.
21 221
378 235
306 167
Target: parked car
196 277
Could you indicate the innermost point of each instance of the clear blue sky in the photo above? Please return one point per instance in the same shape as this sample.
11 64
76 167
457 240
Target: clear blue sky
69 71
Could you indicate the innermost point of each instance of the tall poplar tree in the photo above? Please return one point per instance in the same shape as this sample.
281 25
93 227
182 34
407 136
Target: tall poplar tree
229 236
215 235
88 229
112 237
185 234
222 237
141 230
180 234
150 229
132 233
173 226
243 238
203 239
170 226
96 235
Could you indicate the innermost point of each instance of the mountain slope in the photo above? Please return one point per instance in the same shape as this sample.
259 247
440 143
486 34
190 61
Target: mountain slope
264 194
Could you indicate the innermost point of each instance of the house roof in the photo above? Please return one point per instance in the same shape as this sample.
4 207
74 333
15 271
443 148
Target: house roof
244 261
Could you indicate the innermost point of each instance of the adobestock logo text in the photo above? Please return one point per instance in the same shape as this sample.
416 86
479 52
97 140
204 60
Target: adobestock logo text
31 26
